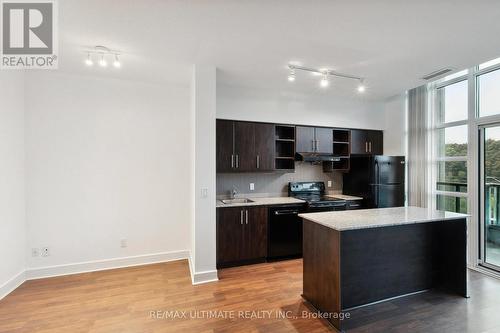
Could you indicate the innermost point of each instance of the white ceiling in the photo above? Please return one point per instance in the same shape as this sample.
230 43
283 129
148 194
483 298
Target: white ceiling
391 43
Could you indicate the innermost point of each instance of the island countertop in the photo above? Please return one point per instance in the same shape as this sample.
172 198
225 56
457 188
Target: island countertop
379 217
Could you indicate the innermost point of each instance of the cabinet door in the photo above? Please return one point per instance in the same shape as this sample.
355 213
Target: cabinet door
224 142
255 235
264 146
304 138
230 228
376 142
324 140
244 146
359 142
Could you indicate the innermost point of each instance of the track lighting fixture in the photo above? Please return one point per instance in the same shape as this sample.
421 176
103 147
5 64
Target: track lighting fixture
103 54
325 74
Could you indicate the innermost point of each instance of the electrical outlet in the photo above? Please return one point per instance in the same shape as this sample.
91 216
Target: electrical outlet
329 183
45 251
252 187
35 252
123 243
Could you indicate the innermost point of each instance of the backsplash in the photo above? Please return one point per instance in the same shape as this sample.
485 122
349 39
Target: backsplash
276 183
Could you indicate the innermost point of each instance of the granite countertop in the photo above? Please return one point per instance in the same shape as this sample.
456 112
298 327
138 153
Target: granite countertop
379 217
263 202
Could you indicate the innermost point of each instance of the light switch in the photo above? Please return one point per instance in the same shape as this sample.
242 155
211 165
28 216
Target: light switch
252 187
204 192
329 183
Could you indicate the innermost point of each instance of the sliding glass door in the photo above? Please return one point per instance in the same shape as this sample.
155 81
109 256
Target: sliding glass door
490 193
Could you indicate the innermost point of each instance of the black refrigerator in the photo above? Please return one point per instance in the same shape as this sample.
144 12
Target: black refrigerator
379 179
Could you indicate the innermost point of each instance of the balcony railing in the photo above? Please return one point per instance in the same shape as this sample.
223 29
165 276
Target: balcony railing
458 204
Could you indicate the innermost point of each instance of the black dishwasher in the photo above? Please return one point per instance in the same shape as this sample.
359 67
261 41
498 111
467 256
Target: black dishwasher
285 232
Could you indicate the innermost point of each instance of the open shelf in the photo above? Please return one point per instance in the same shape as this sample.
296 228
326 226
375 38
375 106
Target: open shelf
342 164
284 132
285 148
341 135
341 149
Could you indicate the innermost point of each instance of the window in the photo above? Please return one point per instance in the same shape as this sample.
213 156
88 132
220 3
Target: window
489 98
452 102
451 134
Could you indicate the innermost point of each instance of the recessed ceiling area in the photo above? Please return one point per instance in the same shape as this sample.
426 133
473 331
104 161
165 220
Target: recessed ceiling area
390 43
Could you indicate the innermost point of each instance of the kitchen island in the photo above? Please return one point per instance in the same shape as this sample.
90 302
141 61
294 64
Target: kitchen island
356 258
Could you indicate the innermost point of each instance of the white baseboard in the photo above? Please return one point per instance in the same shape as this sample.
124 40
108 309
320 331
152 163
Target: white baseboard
100 265
201 277
12 284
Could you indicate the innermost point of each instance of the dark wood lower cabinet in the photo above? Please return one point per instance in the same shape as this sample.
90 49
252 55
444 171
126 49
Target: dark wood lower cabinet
241 235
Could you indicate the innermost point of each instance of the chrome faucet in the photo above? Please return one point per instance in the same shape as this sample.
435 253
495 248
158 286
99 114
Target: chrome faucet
234 192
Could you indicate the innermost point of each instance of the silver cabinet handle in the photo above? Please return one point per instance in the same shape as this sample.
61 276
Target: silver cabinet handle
246 216
241 217
312 142
237 161
370 146
232 161
317 144
258 162
366 147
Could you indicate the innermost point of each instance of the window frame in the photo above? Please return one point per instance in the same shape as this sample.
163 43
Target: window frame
436 110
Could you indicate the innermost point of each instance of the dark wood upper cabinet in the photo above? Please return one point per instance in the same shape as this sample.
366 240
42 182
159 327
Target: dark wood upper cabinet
244 146
241 235
324 140
264 146
304 139
225 145
314 140
376 142
367 142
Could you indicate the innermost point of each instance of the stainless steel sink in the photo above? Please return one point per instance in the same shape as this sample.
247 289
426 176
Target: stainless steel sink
236 201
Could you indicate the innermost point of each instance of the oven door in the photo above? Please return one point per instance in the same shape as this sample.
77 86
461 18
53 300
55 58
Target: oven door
285 232
327 208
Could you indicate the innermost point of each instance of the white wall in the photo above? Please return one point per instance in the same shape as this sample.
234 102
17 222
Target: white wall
105 160
271 106
12 212
395 125
203 112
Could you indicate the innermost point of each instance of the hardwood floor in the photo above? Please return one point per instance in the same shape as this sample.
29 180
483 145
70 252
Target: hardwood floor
137 299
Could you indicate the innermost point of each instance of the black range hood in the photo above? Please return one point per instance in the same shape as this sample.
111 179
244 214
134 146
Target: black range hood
316 157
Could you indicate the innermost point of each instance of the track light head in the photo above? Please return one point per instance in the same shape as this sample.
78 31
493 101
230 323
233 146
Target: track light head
361 86
291 76
102 61
324 81
117 63
89 61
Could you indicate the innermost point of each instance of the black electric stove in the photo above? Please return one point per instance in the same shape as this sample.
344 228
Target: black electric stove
313 193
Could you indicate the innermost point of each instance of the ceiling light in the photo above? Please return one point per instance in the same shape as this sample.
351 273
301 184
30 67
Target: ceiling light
325 74
361 86
102 61
291 76
324 81
117 62
89 61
